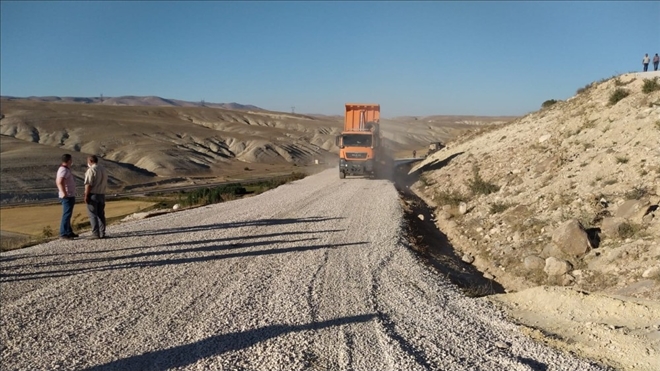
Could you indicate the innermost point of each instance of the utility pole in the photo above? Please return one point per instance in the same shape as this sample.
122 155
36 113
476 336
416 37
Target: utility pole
293 109
202 102
101 97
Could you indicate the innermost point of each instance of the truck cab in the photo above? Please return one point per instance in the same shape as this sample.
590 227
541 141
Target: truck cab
360 141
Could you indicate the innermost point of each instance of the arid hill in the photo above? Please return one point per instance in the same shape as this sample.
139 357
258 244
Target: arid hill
131 100
565 197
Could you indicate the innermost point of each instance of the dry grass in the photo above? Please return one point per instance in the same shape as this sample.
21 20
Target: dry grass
32 220
499 207
628 230
479 186
452 198
622 160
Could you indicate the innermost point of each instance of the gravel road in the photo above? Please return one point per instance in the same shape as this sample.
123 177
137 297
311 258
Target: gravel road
312 275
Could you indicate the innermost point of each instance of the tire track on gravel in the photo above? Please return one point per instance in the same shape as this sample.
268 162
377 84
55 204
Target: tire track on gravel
387 324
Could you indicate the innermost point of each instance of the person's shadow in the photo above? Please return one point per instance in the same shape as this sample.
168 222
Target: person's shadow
184 355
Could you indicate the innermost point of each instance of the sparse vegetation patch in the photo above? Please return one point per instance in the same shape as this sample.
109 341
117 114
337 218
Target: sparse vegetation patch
548 103
650 85
636 193
452 198
585 88
479 186
499 207
621 160
628 230
618 95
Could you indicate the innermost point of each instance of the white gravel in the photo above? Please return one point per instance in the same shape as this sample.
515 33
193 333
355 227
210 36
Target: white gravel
312 275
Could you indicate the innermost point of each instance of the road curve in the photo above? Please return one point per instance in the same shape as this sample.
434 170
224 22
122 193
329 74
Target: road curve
313 275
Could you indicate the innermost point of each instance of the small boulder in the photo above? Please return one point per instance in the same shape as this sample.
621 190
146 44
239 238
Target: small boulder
544 138
651 272
648 218
551 250
444 215
176 207
533 262
630 208
462 208
421 217
566 280
468 258
610 226
571 238
556 267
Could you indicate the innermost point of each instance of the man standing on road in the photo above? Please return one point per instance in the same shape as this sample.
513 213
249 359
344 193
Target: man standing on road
66 187
656 60
645 62
96 180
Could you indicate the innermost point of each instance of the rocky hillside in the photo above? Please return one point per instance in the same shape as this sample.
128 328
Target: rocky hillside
567 195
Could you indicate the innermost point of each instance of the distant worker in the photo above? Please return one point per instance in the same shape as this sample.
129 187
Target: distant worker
66 192
656 60
645 62
96 181
414 154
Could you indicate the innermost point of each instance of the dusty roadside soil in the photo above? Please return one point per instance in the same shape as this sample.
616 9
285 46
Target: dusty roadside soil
314 275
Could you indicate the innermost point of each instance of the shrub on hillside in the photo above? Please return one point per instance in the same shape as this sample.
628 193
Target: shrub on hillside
617 95
478 186
499 207
452 198
584 88
548 103
637 193
651 85
628 230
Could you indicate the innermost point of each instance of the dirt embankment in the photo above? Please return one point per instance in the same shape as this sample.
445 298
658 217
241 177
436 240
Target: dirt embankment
561 206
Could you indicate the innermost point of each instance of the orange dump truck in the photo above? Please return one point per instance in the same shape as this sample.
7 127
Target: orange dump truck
360 147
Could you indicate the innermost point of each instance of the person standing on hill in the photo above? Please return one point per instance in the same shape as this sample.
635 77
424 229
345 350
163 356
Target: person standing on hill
645 62
66 187
656 60
96 180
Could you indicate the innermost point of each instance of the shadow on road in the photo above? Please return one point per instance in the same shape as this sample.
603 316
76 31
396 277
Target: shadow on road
205 227
187 354
534 364
438 164
172 244
38 274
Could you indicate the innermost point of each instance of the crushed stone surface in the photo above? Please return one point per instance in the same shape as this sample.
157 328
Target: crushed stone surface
313 275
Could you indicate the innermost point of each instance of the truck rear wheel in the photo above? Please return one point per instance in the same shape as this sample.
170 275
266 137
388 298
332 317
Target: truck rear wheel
342 175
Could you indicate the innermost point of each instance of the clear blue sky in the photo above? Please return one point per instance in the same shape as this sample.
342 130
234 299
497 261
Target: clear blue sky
414 58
